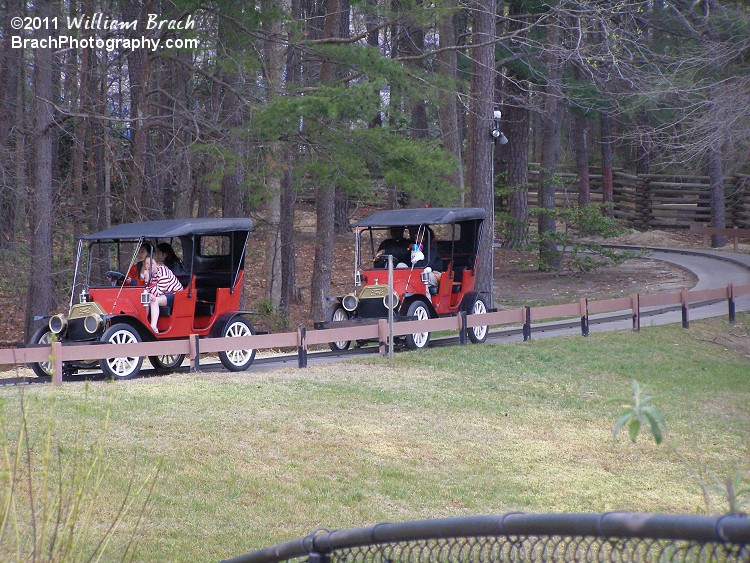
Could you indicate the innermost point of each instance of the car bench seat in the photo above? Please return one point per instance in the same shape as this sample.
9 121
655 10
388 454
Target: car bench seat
206 284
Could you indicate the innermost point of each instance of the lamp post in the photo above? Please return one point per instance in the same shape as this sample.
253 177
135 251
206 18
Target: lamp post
497 138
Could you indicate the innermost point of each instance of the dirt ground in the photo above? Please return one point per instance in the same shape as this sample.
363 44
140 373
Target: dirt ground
517 279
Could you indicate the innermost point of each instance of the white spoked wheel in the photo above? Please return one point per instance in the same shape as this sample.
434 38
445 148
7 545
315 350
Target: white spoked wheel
339 314
167 362
478 334
237 360
42 337
418 340
125 367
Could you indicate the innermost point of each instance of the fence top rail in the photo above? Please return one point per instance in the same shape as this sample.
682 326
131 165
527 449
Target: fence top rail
703 529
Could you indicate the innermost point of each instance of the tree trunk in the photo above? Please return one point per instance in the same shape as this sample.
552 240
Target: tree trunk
11 126
581 138
448 106
139 73
516 127
605 121
273 51
715 171
41 294
479 156
551 122
325 199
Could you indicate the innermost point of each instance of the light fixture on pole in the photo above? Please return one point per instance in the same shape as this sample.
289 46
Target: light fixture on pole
498 135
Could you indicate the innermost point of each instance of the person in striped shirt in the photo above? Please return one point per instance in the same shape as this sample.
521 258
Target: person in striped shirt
161 283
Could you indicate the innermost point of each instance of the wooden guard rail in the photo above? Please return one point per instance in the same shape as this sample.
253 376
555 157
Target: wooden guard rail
734 233
302 339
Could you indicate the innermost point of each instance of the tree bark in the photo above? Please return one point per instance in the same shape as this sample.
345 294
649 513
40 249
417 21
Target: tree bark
551 125
715 170
479 157
325 199
605 124
516 127
581 140
41 294
448 103
11 126
273 51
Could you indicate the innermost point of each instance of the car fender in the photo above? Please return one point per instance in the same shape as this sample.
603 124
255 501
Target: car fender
408 300
467 303
144 333
225 318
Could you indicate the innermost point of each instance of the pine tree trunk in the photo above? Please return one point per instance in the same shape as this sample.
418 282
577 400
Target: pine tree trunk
516 127
448 106
605 121
41 294
479 156
325 200
581 139
715 171
551 122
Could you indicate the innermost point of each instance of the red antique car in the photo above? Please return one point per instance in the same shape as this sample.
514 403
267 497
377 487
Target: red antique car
433 279
112 307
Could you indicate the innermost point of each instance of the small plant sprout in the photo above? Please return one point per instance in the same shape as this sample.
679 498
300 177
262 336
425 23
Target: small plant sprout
736 491
641 413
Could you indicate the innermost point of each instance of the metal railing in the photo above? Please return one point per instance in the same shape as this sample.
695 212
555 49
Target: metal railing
613 536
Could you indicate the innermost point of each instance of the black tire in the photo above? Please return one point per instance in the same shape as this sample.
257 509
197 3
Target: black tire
237 360
418 340
167 362
478 334
125 367
337 313
42 337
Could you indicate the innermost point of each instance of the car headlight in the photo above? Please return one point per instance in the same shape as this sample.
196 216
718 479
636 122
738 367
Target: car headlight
93 323
350 302
393 301
58 324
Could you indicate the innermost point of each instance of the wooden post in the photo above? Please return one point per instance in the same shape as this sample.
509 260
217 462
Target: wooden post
462 328
583 305
527 323
382 336
57 364
685 308
730 302
302 346
195 361
635 303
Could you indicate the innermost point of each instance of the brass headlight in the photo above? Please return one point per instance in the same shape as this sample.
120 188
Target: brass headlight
393 301
58 324
93 323
350 302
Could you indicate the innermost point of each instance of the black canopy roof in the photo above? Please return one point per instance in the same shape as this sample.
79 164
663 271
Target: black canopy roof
419 216
172 228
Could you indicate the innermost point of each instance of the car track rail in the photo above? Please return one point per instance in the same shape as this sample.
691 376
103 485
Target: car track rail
498 335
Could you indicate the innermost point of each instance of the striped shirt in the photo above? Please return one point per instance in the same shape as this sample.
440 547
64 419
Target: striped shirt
163 281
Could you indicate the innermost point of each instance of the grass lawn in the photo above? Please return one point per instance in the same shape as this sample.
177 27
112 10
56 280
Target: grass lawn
252 459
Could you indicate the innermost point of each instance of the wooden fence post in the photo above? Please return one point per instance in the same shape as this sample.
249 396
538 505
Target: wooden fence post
302 346
527 323
583 304
462 328
57 364
635 303
730 302
685 314
382 336
195 353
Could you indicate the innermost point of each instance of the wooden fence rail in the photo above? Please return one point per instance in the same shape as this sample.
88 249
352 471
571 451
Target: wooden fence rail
301 339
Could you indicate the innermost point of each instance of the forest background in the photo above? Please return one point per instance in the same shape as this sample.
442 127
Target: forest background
257 105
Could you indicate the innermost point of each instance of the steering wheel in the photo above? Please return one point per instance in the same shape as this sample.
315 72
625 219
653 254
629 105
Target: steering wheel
116 277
